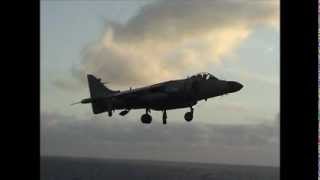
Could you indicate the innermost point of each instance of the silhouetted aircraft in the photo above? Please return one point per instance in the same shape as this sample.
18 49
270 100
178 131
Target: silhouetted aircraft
175 94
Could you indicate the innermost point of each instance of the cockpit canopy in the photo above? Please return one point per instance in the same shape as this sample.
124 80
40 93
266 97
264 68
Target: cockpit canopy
204 76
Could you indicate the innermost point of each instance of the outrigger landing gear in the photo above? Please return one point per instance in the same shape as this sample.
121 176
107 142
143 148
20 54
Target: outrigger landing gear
164 117
146 118
188 116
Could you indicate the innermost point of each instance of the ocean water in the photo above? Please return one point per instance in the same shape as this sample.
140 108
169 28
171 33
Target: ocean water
62 168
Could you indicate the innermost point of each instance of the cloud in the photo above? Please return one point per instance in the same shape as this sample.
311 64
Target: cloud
165 39
119 138
70 83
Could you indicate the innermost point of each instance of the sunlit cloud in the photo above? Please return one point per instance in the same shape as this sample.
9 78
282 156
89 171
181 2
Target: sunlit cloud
168 38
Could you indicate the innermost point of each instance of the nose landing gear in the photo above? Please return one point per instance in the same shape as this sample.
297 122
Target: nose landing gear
188 116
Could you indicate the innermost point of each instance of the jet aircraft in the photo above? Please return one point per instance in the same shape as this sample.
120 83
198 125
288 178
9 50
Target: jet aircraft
168 95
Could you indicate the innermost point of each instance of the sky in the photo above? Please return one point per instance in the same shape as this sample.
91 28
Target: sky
136 43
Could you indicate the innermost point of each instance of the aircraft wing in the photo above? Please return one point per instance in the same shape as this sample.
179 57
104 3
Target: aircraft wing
139 91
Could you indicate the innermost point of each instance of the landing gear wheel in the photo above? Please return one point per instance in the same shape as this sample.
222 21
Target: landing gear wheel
164 117
110 113
188 116
146 119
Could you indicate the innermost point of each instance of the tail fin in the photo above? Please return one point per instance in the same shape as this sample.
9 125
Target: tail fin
97 90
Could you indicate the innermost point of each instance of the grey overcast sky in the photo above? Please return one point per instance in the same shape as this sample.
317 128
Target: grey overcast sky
134 43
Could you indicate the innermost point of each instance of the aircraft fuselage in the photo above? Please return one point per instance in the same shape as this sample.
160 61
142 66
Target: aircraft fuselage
163 96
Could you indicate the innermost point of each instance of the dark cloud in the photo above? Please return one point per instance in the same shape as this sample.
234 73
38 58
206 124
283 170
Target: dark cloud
97 137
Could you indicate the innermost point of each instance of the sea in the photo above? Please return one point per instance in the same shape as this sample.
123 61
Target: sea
71 168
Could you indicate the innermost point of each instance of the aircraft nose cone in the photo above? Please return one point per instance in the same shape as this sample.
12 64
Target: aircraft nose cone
234 86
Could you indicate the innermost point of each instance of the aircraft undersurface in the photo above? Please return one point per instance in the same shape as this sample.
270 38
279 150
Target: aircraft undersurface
168 95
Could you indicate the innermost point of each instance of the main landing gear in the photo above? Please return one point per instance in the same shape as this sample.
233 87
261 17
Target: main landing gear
188 116
109 113
146 118
164 117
